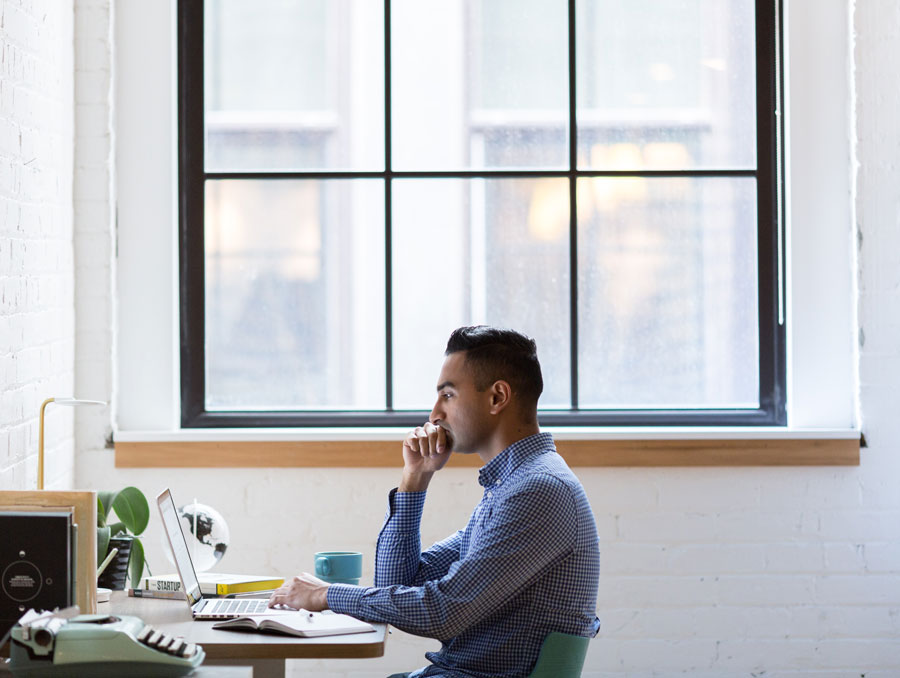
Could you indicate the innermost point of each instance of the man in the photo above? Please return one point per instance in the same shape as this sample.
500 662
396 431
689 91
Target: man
526 564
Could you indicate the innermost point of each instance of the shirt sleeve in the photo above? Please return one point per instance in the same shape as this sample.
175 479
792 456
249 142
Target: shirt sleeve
398 557
520 538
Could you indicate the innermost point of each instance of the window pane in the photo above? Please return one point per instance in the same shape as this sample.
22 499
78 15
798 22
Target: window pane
478 251
666 85
295 294
294 84
668 313
469 74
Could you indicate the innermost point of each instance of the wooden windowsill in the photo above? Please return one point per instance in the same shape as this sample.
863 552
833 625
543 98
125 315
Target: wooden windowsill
643 452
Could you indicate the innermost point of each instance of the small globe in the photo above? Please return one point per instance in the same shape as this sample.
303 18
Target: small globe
206 533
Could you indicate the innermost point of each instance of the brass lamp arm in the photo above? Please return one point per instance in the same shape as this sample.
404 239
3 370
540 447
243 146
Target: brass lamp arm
40 478
58 401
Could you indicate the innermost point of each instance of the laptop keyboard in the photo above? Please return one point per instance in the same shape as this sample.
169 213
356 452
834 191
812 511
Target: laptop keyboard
238 607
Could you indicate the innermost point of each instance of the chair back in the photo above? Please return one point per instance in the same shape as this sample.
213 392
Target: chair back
562 656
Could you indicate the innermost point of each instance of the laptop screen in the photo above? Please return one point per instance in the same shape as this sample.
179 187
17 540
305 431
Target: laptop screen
183 562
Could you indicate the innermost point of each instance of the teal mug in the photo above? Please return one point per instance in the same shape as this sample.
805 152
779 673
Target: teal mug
339 567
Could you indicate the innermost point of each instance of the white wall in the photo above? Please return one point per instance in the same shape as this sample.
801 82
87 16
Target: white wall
94 201
706 572
36 258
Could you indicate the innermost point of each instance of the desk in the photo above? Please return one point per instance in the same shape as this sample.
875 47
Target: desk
202 672
265 652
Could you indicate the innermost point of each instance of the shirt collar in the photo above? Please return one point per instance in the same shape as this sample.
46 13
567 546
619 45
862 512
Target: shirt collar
501 467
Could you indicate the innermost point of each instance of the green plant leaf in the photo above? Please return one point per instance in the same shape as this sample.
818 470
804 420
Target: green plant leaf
104 503
117 529
136 563
132 509
102 543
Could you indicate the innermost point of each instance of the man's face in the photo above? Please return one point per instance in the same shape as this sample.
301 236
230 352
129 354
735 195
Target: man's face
461 410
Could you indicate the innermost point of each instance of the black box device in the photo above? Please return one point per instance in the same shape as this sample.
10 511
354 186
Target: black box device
37 563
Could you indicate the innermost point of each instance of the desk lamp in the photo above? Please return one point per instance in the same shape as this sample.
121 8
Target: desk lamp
72 402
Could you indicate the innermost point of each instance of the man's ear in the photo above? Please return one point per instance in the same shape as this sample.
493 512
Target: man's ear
501 396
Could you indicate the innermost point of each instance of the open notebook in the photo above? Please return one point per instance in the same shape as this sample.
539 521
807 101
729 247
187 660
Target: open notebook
300 623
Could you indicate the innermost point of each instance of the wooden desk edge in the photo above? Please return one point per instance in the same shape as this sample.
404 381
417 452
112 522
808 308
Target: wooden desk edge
298 650
228 644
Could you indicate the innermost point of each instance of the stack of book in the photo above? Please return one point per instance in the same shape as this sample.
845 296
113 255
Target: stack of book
211 584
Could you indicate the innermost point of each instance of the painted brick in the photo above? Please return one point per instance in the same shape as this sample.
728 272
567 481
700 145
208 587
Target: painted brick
93 121
845 557
6 337
859 653
757 655
698 622
627 558
712 559
875 589
689 655
659 591
700 490
669 527
92 87
36 134
762 589
858 526
882 557
620 489
763 526
844 621
794 557
93 217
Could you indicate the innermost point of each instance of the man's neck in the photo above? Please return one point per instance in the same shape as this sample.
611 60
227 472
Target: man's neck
505 438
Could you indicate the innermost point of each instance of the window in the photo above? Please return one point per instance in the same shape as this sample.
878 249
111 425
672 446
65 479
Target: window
359 178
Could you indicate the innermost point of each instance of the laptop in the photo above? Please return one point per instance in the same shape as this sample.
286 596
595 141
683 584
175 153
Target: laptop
202 607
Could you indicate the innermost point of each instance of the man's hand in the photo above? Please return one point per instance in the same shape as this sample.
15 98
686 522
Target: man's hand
426 450
304 591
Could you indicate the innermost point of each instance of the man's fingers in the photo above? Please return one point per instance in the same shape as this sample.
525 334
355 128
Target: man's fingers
428 440
422 438
437 439
412 441
432 431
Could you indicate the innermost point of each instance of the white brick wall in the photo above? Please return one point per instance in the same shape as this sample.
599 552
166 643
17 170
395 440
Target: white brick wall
36 259
712 573
94 218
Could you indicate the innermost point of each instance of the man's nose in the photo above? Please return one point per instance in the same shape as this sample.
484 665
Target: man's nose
436 413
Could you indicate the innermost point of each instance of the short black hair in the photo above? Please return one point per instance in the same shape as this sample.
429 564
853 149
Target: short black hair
496 353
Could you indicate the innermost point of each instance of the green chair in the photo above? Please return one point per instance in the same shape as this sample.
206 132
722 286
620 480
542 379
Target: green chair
562 656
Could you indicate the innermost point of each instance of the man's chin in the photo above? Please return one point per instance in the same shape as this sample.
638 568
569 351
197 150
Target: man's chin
461 449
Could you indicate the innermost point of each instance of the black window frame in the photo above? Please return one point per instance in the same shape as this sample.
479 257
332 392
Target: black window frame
770 247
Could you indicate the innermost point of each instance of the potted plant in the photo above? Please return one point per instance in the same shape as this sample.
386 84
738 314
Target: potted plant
133 513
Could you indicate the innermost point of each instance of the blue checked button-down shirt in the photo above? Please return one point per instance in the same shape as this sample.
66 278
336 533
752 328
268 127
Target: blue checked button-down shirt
526 564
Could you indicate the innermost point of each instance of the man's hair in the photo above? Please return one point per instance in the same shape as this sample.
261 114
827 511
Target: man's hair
494 353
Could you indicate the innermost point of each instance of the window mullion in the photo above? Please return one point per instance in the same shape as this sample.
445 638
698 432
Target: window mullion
388 251
573 213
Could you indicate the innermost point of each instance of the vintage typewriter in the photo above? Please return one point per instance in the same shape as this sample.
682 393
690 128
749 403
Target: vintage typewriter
52 645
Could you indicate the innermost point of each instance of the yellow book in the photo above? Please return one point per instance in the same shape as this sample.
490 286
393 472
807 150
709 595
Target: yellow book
215 584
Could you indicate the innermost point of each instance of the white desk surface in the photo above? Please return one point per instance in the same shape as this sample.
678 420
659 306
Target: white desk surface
174 617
